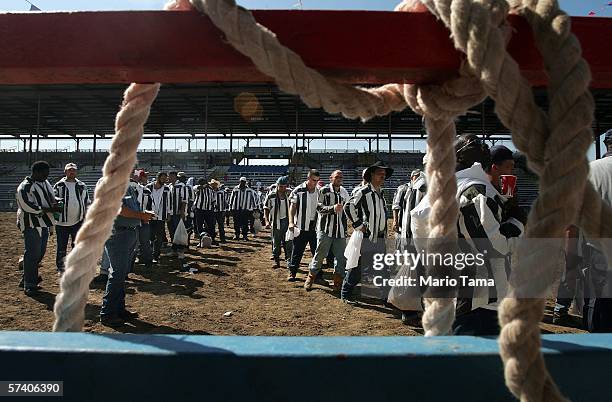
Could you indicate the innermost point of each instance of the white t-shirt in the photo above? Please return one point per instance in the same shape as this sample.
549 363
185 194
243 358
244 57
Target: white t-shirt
282 210
313 200
156 195
72 209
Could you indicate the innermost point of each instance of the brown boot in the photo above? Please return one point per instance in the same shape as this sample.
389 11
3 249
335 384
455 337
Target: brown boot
338 282
309 281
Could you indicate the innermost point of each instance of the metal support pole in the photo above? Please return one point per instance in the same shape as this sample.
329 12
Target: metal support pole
231 146
597 139
389 134
93 162
161 151
206 134
38 128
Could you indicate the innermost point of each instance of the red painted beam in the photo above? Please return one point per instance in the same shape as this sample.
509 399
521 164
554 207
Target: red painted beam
163 46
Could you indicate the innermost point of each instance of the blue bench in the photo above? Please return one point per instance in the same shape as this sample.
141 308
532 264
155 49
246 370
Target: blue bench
110 367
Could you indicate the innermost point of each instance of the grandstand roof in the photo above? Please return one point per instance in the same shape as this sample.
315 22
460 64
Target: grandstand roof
219 110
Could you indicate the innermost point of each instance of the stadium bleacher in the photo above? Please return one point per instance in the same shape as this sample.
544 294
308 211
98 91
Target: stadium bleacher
352 165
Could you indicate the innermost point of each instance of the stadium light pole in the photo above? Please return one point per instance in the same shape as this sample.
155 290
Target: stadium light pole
94 151
597 141
206 132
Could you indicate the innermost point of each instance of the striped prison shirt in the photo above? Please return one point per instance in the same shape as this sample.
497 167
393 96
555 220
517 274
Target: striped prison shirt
367 206
74 195
278 207
399 201
243 199
306 207
205 198
482 226
32 196
331 223
161 201
221 201
181 194
144 197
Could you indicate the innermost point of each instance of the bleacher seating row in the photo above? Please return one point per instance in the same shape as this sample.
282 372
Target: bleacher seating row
265 174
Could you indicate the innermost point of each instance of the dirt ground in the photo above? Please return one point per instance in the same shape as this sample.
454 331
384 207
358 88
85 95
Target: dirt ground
236 277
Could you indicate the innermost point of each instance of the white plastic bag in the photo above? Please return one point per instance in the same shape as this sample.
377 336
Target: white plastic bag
181 237
257 226
290 235
353 249
406 297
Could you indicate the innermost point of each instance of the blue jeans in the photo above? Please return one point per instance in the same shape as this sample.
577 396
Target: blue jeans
105 265
325 244
278 241
365 266
119 247
35 245
64 233
299 246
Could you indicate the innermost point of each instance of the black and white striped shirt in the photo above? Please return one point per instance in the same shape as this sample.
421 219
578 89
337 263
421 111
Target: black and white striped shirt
331 223
161 204
181 194
306 212
368 206
399 201
144 197
221 201
205 198
243 199
81 194
32 196
278 207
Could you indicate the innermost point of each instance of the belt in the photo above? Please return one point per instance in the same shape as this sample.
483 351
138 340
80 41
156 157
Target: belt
125 227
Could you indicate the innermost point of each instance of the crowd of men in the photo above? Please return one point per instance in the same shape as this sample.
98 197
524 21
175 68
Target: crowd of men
489 221
151 214
311 214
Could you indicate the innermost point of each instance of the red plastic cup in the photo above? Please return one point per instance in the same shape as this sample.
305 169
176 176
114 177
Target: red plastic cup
508 184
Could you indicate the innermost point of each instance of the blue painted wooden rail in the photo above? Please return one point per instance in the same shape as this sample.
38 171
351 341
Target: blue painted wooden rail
105 367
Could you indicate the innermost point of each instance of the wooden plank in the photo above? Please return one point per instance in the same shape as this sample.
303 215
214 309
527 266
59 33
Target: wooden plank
178 47
236 368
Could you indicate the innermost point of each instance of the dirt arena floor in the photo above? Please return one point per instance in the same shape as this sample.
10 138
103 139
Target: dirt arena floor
236 277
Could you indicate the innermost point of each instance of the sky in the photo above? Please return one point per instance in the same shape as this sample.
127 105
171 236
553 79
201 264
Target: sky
572 7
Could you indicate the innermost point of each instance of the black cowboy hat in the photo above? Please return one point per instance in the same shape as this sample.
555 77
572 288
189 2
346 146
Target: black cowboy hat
378 165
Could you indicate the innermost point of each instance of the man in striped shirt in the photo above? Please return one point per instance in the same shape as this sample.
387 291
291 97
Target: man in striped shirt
143 249
331 230
242 204
204 209
161 198
35 208
181 198
303 217
366 209
75 197
221 207
276 214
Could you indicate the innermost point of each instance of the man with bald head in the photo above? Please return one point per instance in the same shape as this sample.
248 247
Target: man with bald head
331 230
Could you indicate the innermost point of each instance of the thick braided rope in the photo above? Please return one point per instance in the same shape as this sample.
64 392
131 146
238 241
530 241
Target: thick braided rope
81 263
441 105
556 147
288 69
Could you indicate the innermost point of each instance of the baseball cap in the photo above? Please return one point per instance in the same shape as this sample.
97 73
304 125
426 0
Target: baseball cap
243 178
70 165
